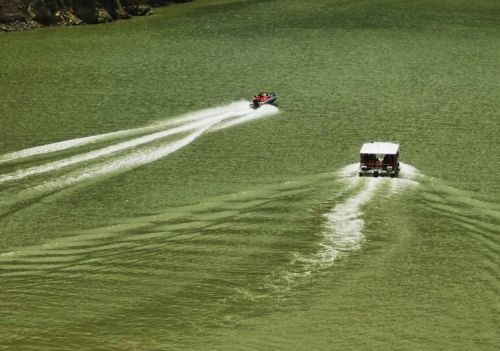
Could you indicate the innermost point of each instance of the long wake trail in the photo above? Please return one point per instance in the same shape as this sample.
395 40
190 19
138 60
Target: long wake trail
95 139
56 165
122 156
344 223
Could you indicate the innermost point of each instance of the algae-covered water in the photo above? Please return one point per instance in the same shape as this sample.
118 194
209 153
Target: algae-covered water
145 206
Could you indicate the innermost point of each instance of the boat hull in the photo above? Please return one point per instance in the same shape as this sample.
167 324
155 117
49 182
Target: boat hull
256 104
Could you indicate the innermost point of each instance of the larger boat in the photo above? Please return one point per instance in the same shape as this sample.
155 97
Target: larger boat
379 159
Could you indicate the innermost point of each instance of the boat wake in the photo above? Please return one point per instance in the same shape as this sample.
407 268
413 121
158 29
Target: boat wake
343 224
134 148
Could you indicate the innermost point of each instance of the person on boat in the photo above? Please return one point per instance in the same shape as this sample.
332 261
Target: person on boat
386 159
255 101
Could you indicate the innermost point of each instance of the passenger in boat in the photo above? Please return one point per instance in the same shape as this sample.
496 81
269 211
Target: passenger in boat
377 162
371 160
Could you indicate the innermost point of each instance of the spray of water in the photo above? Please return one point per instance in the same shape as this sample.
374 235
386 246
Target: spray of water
95 139
344 223
125 155
56 165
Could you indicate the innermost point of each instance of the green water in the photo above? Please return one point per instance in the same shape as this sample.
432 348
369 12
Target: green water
257 236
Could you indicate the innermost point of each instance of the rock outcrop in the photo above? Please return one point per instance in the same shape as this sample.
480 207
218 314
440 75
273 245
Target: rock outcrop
18 15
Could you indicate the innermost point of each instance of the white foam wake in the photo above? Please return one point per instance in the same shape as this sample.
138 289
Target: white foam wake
344 223
263 111
56 165
133 160
94 139
407 176
133 153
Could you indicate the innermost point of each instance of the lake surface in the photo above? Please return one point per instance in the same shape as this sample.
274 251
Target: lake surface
145 206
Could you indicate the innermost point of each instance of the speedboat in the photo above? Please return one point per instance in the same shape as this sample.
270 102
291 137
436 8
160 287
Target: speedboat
263 98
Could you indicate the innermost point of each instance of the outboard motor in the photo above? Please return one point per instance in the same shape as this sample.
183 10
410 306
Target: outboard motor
255 103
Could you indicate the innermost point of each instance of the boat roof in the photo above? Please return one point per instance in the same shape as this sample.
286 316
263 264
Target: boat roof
379 147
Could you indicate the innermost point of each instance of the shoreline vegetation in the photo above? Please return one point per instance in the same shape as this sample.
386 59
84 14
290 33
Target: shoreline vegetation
22 15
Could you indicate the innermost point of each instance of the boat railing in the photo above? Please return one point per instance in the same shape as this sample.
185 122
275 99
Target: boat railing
379 165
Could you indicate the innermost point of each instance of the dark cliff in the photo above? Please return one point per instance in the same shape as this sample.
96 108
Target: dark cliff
27 14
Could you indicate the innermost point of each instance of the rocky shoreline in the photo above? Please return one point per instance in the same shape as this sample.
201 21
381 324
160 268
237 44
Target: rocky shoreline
21 15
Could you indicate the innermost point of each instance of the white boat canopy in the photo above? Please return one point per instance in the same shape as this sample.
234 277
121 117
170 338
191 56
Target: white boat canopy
377 147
